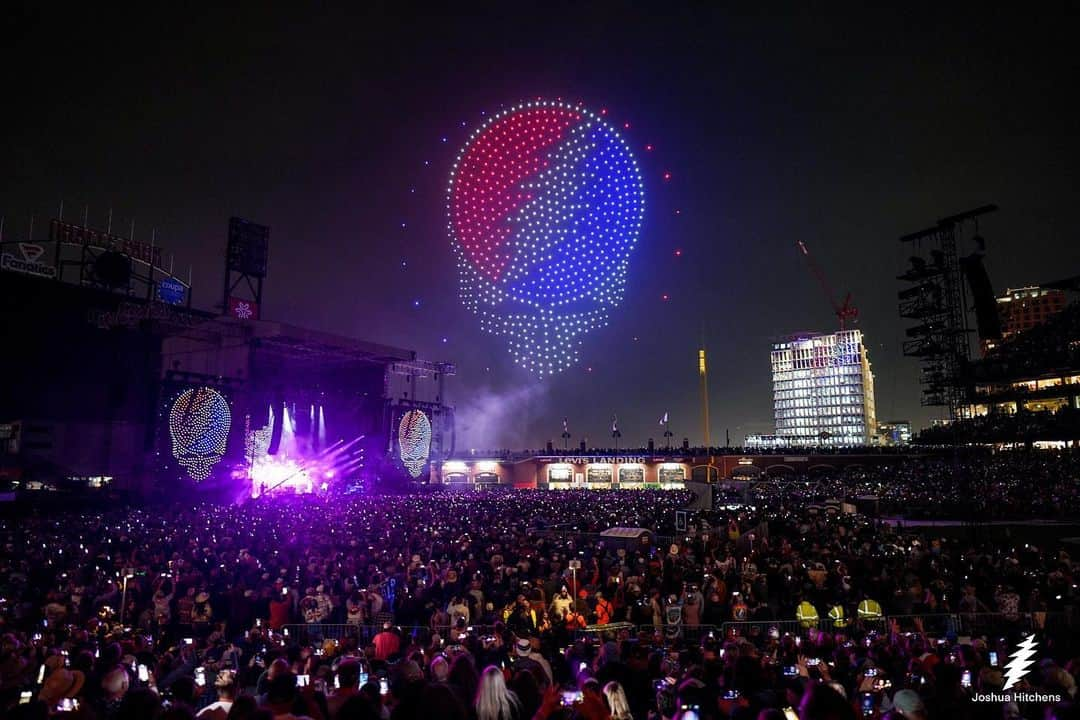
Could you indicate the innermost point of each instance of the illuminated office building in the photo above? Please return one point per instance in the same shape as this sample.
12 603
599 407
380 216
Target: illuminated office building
823 390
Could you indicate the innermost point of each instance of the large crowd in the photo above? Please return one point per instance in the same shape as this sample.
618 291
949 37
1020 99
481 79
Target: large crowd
977 487
511 605
1061 425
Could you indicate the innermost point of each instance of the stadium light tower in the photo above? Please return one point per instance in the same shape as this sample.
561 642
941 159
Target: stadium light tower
704 377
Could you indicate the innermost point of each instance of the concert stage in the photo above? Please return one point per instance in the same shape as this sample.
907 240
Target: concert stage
114 381
299 410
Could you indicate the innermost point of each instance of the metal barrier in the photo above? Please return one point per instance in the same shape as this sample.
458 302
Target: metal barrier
304 633
938 624
935 624
610 629
976 624
760 628
312 633
690 633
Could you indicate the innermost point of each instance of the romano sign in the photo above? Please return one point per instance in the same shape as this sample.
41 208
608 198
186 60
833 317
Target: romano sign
27 261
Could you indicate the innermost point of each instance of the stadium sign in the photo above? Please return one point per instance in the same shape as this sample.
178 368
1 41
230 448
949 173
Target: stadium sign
60 231
131 315
243 309
171 291
592 459
29 263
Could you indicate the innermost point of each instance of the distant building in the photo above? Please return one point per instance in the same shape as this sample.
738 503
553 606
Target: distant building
1038 369
894 432
823 390
1024 308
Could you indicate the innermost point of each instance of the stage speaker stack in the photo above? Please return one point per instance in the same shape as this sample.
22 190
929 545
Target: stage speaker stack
987 319
279 422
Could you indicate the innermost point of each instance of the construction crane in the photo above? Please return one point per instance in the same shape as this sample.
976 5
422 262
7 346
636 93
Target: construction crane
845 311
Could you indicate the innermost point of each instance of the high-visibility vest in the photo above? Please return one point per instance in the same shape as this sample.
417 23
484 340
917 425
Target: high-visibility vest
836 614
807 614
869 610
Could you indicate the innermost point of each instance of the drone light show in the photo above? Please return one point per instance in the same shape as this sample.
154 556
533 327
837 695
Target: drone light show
199 421
545 206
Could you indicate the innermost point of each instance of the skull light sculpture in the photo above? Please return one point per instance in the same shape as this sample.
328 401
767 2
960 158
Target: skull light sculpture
199 421
545 205
414 441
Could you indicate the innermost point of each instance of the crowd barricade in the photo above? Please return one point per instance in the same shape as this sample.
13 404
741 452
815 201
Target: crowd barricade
693 634
305 633
753 629
863 625
936 624
472 630
976 624
610 630
313 633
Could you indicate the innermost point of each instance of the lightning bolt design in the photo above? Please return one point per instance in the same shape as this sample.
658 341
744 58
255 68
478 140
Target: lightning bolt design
1020 661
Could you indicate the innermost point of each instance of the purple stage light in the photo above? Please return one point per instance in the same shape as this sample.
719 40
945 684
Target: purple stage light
303 463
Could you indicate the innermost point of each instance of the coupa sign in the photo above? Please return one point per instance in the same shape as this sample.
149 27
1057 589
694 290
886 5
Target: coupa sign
28 261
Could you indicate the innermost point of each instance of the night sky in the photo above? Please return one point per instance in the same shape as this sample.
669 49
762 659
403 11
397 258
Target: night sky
843 131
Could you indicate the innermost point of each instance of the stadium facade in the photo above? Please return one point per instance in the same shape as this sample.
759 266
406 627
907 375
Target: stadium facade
638 469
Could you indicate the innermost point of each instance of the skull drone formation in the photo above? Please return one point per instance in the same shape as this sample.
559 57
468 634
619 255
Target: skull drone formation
545 205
